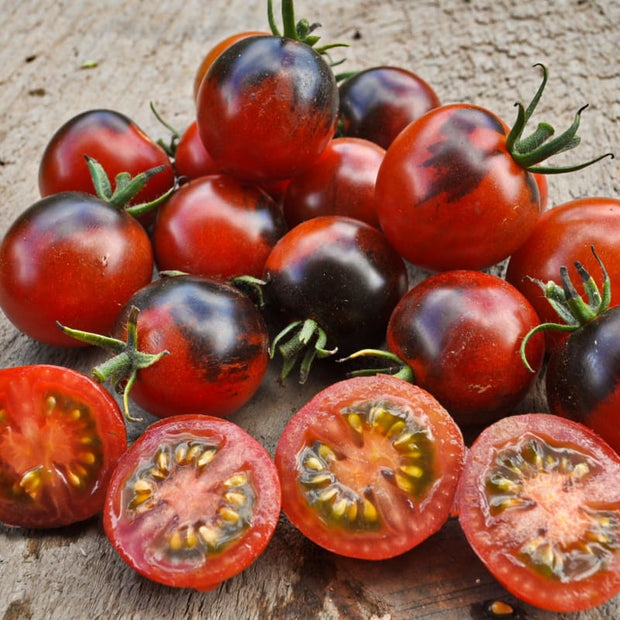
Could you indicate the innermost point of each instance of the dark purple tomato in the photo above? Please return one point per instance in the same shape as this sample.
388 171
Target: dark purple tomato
379 102
267 108
340 272
71 258
460 332
217 226
340 182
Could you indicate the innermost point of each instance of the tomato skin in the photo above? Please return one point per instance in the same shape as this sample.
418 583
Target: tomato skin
139 537
251 102
379 102
341 273
563 235
460 332
583 376
450 196
404 520
112 139
74 259
340 182
556 512
191 159
217 226
217 343
63 431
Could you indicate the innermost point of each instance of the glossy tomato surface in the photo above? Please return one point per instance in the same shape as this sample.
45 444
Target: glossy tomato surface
112 139
191 159
194 501
267 108
583 376
369 467
74 259
61 435
539 502
217 226
460 332
450 195
563 235
340 272
217 344
340 182
379 102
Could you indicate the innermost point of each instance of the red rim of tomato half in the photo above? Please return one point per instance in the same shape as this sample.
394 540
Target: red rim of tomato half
539 502
194 501
369 467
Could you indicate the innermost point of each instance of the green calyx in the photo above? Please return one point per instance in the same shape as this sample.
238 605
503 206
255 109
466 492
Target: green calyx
122 369
571 307
125 187
528 152
396 368
305 336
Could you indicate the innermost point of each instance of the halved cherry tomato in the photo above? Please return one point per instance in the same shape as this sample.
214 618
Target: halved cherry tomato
369 467
539 502
61 435
194 501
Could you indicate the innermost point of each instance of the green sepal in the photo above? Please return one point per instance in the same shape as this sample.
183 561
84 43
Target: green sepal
397 368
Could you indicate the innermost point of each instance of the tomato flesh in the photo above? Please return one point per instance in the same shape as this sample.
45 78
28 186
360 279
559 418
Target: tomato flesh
193 502
539 501
369 466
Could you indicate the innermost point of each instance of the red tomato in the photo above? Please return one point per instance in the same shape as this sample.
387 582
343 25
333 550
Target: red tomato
113 140
217 226
379 102
194 501
539 502
563 235
450 195
340 182
61 435
191 159
460 332
71 258
369 467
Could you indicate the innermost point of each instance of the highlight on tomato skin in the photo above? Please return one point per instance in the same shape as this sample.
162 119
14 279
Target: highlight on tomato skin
193 502
539 502
369 467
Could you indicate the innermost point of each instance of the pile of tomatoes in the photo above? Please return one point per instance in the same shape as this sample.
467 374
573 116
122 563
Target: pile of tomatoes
196 262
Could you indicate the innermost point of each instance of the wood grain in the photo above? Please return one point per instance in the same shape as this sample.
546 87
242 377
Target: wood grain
476 51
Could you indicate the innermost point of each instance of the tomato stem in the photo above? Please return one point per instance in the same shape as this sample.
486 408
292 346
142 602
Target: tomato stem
400 368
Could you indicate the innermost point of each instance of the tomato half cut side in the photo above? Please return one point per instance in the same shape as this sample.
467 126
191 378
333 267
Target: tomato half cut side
194 501
369 467
539 502
61 434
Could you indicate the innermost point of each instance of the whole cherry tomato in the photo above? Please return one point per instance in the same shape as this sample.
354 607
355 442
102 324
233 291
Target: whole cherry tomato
369 467
112 139
379 102
340 182
73 258
191 159
194 501
217 226
539 502
61 435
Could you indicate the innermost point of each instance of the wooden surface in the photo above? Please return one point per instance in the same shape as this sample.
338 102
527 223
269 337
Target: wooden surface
477 51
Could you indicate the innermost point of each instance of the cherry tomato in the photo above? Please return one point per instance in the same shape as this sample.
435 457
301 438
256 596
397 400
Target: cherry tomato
539 502
450 195
71 258
267 108
194 501
217 344
217 226
339 272
369 467
379 102
113 140
340 182
61 435
561 236
460 332
191 159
